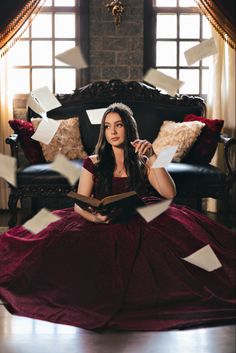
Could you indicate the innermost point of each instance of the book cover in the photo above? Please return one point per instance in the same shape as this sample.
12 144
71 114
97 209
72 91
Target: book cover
126 201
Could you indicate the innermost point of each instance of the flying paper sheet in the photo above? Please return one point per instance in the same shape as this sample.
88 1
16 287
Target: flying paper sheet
204 258
152 211
73 57
201 51
165 157
8 168
42 100
63 166
95 115
40 221
158 79
46 130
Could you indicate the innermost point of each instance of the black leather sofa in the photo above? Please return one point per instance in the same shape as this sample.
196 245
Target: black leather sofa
194 182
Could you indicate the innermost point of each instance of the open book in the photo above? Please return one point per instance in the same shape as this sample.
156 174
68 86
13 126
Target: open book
127 201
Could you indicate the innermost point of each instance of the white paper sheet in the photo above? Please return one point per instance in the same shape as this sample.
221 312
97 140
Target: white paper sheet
165 157
95 115
8 168
46 130
40 221
160 80
42 100
200 51
204 258
65 167
73 57
152 211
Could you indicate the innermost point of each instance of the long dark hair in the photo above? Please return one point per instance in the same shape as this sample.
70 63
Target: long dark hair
134 164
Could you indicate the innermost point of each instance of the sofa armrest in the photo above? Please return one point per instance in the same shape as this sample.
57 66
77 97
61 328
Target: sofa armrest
13 140
229 154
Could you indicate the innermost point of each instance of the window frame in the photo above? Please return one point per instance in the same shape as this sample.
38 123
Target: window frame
150 39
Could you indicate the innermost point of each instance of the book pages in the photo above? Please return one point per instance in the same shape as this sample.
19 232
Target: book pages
8 168
204 258
42 100
152 211
95 115
160 80
40 221
46 130
165 157
65 167
201 51
73 57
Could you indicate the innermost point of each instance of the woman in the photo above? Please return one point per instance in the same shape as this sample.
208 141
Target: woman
93 271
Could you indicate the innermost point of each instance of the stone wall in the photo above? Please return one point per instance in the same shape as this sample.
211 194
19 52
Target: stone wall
115 51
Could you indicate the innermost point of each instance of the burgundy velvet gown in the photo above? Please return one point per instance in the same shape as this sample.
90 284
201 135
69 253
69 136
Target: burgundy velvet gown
128 275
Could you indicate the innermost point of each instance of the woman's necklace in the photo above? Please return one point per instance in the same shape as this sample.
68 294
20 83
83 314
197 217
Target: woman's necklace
119 172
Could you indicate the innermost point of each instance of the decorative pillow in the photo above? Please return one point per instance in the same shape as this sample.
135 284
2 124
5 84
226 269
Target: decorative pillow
31 148
67 140
182 134
204 148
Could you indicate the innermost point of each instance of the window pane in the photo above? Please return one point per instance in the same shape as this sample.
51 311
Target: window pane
42 26
166 54
205 81
64 2
206 29
189 26
41 53
166 3
41 77
183 46
65 80
19 54
60 47
20 81
187 3
48 3
64 25
166 26
191 81
208 61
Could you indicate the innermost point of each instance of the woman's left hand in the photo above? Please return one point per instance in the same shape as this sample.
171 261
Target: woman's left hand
143 147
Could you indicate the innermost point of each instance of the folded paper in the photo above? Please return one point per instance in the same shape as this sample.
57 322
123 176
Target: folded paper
95 115
40 221
152 211
165 157
8 168
42 100
73 57
201 51
204 258
160 80
65 167
46 130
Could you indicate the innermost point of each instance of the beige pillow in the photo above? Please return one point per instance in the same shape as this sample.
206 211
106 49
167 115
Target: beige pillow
67 140
182 134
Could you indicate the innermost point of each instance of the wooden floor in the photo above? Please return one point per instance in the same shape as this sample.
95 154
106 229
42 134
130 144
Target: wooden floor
23 335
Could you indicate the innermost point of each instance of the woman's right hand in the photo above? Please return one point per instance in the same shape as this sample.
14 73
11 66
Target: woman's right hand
98 217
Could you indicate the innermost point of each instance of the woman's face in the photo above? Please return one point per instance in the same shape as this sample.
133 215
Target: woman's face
114 129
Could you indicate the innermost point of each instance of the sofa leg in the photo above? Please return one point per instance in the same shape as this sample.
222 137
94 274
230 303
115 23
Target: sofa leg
12 204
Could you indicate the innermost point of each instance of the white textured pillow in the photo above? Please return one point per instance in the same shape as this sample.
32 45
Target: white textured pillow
182 134
67 140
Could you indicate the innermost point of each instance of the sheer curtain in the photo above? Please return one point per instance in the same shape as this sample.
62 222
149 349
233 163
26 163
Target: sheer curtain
6 114
13 16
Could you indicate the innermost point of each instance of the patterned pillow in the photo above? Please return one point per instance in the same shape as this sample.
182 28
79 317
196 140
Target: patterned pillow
67 140
182 134
31 148
204 148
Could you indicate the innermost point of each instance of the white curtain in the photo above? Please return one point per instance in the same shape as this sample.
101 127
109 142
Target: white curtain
6 113
221 95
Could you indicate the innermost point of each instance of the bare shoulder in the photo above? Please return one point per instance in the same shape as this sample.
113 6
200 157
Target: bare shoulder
94 158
